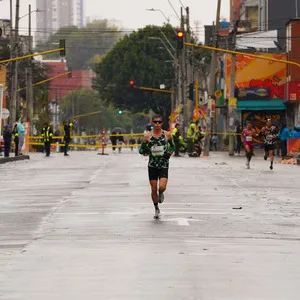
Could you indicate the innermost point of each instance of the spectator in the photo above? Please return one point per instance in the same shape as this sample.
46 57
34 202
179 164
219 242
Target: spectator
21 133
7 137
283 136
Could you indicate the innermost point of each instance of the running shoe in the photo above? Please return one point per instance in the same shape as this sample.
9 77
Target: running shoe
157 214
161 197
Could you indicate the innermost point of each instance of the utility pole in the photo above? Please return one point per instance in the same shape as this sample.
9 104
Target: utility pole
29 94
11 64
232 100
212 81
15 67
188 70
181 93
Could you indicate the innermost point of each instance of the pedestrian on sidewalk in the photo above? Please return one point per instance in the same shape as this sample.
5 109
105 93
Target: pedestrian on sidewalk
283 136
21 134
7 138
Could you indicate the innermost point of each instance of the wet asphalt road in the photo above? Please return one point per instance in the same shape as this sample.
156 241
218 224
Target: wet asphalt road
81 227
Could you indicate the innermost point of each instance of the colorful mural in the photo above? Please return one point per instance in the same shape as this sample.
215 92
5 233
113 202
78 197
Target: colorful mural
253 73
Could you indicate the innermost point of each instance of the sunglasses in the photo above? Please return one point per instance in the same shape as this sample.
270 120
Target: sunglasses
157 122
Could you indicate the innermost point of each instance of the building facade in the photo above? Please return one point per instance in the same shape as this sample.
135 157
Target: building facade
293 73
56 14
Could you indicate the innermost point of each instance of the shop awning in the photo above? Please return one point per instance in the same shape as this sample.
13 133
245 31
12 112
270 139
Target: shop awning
255 105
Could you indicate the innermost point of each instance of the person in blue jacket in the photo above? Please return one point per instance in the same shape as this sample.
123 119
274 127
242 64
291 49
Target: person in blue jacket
283 136
296 133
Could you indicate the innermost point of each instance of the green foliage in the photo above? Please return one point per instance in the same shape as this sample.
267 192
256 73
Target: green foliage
42 110
82 102
143 60
82 44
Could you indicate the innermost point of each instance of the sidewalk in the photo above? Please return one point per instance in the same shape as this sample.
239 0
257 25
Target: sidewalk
4 160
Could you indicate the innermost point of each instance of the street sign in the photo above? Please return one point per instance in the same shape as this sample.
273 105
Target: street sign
218 93
5 113
232 101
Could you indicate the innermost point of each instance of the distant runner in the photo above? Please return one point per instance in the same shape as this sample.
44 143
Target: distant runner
270 134
159 145
247 137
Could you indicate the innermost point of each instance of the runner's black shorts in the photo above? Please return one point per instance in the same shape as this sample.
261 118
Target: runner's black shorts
155 174
270 147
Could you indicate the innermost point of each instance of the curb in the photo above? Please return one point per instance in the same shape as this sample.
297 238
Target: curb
10 159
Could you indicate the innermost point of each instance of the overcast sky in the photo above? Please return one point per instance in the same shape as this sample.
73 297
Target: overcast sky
132 14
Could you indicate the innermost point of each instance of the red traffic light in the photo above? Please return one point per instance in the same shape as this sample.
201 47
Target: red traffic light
180 34
131 82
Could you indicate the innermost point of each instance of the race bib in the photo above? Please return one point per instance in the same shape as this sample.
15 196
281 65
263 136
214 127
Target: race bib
157 150
249 138
269 137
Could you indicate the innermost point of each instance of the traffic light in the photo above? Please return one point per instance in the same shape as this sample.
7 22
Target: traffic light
120 112
131 82
62 44
180 39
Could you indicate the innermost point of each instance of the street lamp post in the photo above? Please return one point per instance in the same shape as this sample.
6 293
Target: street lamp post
155 9
29 87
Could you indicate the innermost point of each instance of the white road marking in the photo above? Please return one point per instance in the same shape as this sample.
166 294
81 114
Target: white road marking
182 221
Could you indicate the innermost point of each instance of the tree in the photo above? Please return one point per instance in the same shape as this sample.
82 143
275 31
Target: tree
39 71
82 102
82 44
144 60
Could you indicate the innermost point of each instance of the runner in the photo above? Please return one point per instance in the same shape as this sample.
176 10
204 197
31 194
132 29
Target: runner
159 145
247 137
269 133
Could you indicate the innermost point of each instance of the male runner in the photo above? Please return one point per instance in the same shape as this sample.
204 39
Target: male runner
247 138
270 134
159 145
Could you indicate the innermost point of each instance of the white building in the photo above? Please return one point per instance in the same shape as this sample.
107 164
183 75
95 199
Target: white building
56 14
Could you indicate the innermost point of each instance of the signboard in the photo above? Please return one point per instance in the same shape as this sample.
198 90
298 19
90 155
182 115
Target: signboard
218 94
293 146
232 101
252 93
5 113
259 74
294 91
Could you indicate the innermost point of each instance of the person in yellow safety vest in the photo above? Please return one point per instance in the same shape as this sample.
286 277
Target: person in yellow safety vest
191 137
47 135
67 136
178 140
16 139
